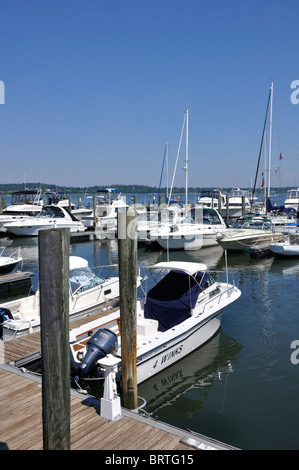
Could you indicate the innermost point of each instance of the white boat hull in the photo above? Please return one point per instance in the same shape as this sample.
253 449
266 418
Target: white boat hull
187 242
284 249
176 349
33 230
236 242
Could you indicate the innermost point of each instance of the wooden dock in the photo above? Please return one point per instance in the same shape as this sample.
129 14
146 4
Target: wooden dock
15 280
21 414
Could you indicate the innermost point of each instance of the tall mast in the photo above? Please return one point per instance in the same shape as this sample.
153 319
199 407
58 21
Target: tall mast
270 138
186 162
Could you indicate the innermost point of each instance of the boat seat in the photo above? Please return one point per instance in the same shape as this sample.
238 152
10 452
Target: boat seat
147 327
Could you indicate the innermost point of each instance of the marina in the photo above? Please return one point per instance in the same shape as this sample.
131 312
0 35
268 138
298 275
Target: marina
220 390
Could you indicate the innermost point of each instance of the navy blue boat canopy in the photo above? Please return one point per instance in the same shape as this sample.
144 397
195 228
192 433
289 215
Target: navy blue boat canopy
172 299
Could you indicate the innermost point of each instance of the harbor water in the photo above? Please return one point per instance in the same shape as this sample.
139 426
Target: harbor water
241 387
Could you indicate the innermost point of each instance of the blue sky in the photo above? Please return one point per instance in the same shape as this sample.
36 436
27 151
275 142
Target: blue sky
94 89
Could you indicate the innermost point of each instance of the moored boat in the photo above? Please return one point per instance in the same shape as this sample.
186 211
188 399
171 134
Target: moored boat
24 204
191 233
8 263
88 293
246 233
178 315
288 247
50 217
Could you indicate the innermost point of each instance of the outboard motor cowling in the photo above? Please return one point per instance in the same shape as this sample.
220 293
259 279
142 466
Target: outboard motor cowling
5 314
103 342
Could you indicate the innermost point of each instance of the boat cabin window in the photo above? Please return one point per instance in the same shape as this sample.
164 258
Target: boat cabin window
51 212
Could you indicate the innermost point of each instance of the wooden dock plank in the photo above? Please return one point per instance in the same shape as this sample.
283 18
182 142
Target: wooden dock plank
21 422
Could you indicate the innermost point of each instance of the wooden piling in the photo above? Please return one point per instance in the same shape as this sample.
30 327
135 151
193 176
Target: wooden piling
227 208
55 355
94 212
127 260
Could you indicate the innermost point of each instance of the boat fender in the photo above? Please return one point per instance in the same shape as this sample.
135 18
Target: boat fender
103 342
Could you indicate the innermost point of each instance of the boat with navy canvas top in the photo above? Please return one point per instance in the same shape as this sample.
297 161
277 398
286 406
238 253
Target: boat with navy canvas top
178 315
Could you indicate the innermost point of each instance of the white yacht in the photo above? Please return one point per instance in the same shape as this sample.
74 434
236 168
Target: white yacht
192 233
238 204
292 199
50 217
24 204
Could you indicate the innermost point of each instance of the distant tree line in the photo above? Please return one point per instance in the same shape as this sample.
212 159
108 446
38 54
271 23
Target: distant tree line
124 188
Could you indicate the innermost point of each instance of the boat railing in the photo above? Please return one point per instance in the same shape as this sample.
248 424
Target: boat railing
219 296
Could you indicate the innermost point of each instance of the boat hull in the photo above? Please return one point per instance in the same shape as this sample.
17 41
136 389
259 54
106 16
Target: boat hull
187 242
32 230
284 249
169 353
235 243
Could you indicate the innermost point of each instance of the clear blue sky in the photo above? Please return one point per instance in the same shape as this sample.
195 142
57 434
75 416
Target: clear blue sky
94 89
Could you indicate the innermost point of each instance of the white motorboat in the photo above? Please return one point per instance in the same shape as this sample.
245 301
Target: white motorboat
8 263
62 200
210 198
151 220
238 204
246 233
292 199
192 233
179 314
50 217
89 293
106 211
24 204
287 247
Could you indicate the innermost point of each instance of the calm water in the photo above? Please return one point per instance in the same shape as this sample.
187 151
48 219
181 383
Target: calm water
241 387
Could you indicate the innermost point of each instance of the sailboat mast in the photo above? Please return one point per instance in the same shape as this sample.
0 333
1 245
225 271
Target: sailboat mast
186 163
270 138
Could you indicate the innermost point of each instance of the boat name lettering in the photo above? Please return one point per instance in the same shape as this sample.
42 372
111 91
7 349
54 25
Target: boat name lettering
295 354
171 354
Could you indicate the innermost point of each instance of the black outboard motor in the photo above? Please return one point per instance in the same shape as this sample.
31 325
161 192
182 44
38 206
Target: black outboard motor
5 314
103 342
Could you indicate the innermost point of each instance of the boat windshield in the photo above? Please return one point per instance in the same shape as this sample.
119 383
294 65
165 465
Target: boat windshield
83 279
205 215
50 212
259 224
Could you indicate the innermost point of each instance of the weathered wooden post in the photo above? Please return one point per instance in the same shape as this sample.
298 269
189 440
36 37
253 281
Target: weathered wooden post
127 260
219 204
55 354
227 208
94 212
